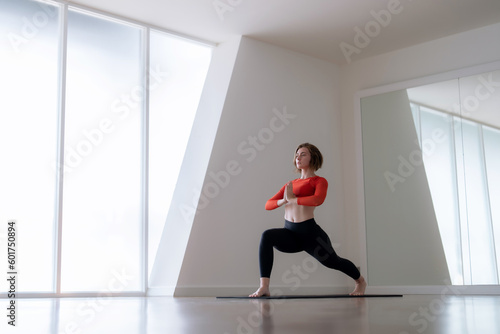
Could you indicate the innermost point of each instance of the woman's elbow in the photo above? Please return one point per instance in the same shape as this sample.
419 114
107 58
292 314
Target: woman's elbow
319 201
270 206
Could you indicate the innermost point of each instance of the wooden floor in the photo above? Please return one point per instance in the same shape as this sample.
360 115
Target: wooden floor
454 314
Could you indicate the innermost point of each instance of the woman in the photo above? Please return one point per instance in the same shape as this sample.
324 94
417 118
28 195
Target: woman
301 233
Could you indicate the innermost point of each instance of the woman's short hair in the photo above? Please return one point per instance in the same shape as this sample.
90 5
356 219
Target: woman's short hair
316 156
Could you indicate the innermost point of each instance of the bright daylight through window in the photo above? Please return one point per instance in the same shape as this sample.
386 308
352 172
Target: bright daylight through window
85 169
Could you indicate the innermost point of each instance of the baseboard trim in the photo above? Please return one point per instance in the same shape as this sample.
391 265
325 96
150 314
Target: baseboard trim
225 291
163 291
454 290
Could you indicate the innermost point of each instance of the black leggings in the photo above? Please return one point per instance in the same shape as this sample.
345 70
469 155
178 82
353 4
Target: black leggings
297 237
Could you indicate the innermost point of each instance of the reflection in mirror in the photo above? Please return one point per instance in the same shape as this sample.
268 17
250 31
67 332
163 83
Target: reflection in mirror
431 158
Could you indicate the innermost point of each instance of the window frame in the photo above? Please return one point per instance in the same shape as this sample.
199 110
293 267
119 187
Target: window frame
64 8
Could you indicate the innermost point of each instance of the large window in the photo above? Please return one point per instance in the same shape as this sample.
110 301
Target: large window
95 118
102 170
176 82
29 82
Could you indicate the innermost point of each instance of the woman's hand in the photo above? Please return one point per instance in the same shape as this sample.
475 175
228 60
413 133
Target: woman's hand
290 197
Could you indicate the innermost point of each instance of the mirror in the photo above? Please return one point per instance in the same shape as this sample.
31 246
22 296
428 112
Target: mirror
431 173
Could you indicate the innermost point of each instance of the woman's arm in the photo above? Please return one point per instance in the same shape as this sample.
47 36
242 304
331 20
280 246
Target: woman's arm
319 194
277 200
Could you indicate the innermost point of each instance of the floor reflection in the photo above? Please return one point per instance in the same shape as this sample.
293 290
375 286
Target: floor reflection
138 315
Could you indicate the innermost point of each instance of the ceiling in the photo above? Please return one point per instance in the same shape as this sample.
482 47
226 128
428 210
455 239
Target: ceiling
339 31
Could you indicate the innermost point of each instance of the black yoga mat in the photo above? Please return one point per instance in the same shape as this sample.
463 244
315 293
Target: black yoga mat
308 296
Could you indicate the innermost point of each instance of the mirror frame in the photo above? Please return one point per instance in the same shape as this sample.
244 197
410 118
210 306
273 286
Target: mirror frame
360 191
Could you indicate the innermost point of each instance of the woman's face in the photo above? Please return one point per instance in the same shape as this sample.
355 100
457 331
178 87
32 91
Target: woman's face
302 158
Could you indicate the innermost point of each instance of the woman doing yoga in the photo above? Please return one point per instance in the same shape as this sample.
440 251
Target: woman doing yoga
301 233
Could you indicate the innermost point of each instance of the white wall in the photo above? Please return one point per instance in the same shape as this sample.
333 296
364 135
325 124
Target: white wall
222 254
452 53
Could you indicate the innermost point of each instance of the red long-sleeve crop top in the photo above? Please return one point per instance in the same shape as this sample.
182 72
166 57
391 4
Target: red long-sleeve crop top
309 192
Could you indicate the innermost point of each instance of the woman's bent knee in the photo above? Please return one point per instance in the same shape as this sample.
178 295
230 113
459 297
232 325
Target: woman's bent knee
268 236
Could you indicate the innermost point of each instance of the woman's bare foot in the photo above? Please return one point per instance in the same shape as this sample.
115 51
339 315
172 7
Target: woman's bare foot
263 290
359 290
